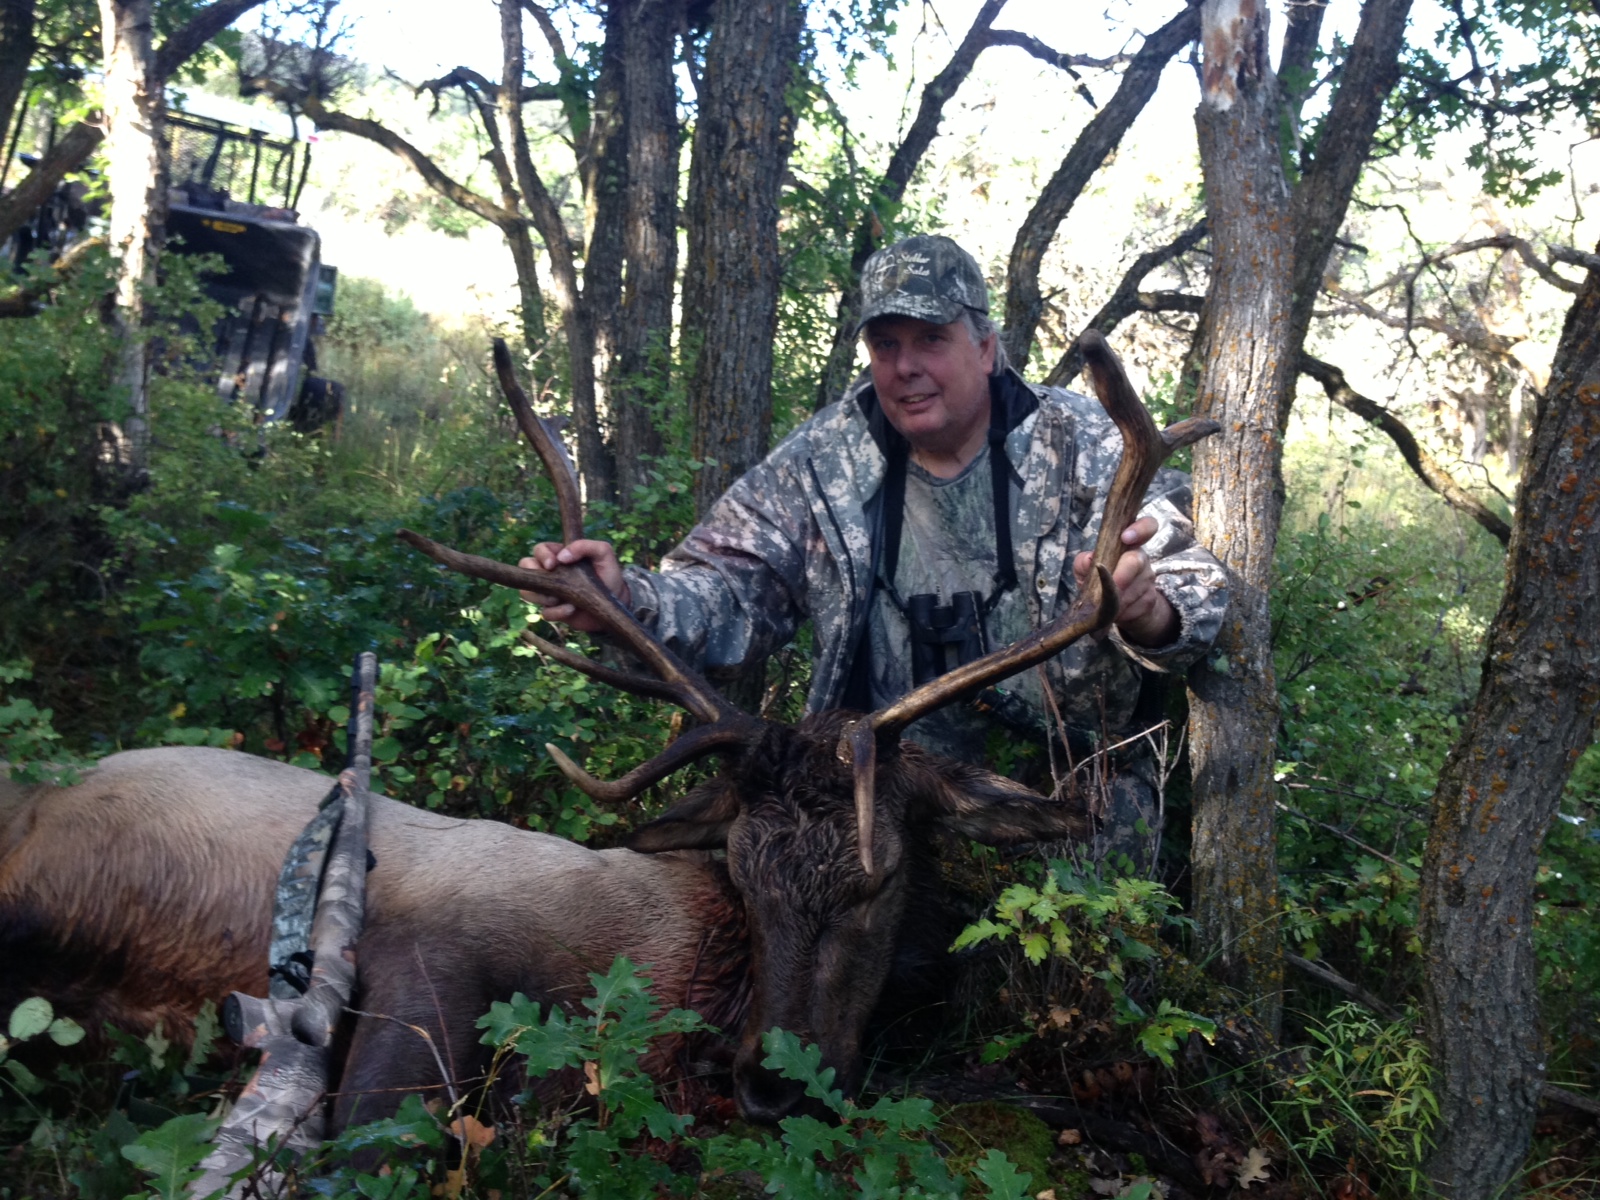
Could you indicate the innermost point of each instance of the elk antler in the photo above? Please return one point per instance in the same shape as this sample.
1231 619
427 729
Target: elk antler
1144 449
724 725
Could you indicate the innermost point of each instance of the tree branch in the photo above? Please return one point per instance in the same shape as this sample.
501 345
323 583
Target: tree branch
1493 345
1499 241
1328 977
902 165
1127 299
364 127
1427 468
931 110
69 153
1319 203
1066 62
201 28
552 35
1094 144
469 80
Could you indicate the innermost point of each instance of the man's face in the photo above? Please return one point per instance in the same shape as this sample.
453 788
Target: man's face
932 380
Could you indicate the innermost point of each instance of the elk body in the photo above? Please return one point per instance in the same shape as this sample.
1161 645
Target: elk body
147 888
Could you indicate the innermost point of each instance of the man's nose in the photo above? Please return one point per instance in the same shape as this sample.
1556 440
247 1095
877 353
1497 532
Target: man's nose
906 362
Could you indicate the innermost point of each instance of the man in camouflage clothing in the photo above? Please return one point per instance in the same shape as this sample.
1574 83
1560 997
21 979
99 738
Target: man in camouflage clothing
876 519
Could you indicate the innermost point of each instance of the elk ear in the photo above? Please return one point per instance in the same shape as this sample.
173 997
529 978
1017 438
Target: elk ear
698 822
990 808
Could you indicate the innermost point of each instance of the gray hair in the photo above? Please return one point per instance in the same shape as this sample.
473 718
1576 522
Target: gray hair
980 326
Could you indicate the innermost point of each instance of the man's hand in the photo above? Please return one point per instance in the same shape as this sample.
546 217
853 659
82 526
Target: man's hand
1144 615
549 555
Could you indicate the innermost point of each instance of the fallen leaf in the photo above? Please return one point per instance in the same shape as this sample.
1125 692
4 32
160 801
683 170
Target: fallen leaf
473 1132
1254 1167
591 1072
1047 1194
1069 1137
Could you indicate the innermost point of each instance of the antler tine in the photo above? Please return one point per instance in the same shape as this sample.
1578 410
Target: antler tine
580 588
692 746
1144 447
551 452
641 685
577 584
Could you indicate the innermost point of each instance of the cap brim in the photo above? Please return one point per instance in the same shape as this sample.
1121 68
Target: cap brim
926 308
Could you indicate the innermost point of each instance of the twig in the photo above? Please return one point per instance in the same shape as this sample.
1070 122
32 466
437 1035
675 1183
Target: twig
1337 832
1329 977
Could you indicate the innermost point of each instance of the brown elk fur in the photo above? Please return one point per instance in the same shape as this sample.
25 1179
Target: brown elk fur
147 889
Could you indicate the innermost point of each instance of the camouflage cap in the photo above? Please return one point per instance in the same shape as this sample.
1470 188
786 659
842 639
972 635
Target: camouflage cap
926 276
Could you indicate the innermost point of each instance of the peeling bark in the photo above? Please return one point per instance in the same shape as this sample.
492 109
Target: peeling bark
135 172
1238 502
1535 713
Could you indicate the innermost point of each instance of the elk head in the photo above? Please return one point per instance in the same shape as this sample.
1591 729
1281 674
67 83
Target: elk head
819 820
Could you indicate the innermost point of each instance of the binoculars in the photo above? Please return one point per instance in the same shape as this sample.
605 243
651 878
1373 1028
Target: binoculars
943 636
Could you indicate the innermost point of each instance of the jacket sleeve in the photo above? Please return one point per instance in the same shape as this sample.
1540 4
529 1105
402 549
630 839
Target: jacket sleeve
735 589
1187 574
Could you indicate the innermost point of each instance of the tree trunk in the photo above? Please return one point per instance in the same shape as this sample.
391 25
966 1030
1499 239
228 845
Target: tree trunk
135 177
1370 70
603 169
594 456
1238 502
17 43
530 300
730 305
1534 715
644 334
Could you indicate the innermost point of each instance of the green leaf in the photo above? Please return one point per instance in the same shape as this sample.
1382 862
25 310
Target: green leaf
1035 947
25 1080
30 1018
64 1031
1000 1177
171 1153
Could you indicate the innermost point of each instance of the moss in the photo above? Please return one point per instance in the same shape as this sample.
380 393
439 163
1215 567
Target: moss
970 1129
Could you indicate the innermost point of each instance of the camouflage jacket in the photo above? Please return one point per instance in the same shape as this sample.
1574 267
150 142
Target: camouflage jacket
793 539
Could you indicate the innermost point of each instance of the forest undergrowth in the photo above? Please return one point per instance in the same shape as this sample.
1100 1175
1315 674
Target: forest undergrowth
223 603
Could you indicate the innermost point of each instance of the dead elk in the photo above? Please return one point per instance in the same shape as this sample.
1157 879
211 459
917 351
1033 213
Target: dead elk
146 889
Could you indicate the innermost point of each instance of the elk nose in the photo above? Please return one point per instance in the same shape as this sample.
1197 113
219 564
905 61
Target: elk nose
765 1097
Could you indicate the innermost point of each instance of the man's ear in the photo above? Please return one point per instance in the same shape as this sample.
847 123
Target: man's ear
698 822
990 808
